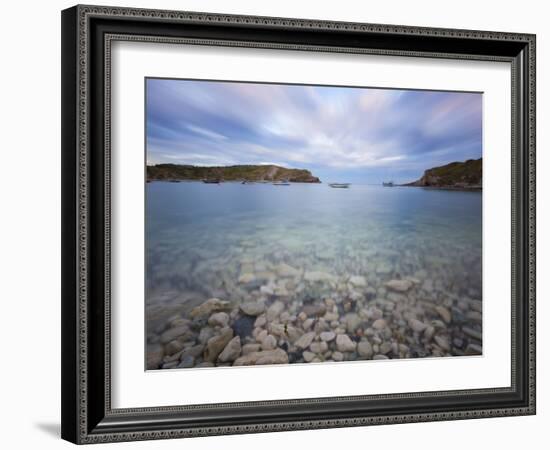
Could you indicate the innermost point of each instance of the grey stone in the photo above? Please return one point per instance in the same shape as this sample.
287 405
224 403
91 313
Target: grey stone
252 308
473 349
274 310
315 277
444 313
470 332
344 343
260 321
385 348
216 344
379 324
417 326
364 349
442 342
352 322
246 278
305 340
219 319
186 362
195 351
358 281
318 347
249 348
208 307
173 347
155 354
269 342
173 333
231 351
399 285
284 270
327 336
277 356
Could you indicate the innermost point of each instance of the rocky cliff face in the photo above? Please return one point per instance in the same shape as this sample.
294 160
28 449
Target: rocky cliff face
230 173
456 175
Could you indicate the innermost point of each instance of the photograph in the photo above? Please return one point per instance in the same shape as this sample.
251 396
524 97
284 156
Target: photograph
290 223
273 222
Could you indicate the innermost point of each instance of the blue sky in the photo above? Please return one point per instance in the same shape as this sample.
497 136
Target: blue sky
360 135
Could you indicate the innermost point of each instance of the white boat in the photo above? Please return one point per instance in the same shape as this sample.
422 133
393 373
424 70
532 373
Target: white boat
340 185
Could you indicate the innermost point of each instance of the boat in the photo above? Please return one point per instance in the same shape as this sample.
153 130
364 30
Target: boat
388 184
173 181
247 182
211 181
281 183
340 185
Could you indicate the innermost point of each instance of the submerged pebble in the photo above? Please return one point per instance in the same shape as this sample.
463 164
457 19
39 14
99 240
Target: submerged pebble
297 287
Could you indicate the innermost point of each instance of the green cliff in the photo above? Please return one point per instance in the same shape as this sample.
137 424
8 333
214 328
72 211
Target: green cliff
229 173
456 175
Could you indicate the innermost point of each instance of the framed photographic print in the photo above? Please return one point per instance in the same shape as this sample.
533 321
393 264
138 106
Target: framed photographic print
283 224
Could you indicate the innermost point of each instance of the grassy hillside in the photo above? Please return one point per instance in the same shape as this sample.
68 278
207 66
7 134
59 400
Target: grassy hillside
459 175
229 173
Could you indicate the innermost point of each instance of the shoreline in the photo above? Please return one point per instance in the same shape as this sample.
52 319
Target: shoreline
439 188
190 180
447 188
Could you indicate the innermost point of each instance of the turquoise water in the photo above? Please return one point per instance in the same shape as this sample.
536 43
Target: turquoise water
200 238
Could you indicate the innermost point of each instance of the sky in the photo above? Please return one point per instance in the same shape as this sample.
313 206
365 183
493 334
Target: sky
340 134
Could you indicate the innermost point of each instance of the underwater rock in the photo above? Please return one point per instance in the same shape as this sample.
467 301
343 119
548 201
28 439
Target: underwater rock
379 324
208 307
186 362
444 313
286 271
305 340
358 281
344 343
399 285
173 333
231 351
327 336
417 326
318 347
219 319
316 310
442 342
269 342
246 278
253 308
155 354
277 356
274 310
315 277
308 356
250 348
364 348
216 344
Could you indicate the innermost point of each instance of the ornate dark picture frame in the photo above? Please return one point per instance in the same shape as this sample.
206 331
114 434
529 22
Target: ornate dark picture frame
87 34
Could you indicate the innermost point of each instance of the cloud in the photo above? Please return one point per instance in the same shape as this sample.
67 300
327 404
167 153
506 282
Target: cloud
330 128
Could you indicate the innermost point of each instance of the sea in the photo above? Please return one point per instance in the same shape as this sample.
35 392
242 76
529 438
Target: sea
226 241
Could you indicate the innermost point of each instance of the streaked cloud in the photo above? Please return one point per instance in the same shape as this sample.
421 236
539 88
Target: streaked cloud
361 133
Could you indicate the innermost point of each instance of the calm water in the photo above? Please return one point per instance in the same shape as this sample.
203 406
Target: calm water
202 237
